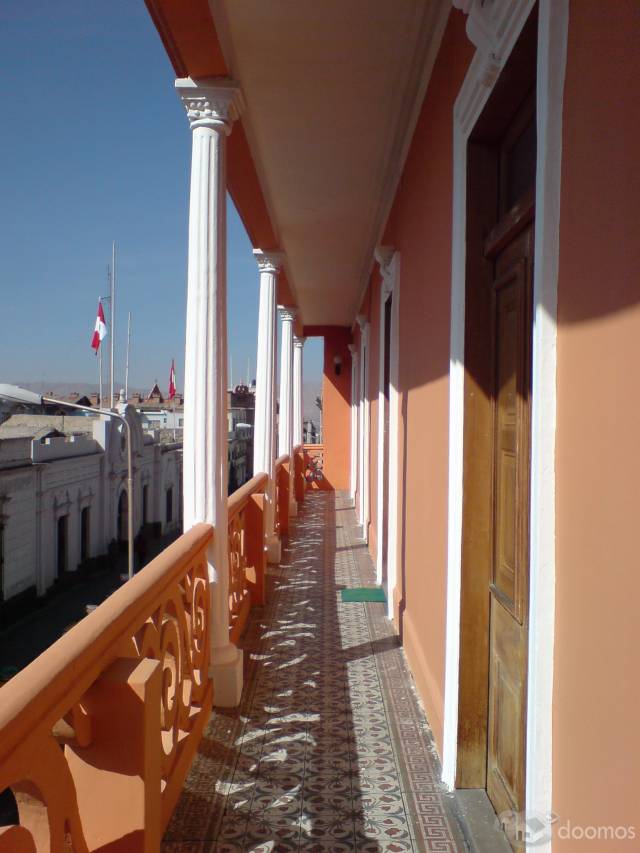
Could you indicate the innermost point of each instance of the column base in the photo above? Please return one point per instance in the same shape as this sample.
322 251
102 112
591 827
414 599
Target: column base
226 671
274 549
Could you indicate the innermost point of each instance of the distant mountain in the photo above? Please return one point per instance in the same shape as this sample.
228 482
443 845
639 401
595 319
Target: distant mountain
65 388
310 391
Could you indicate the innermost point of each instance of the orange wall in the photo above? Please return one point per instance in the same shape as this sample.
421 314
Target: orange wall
420 227
336 409
596 736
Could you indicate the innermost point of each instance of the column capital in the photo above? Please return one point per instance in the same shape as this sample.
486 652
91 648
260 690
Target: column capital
361 320
214 102
352 349
268 261
298 342
288 313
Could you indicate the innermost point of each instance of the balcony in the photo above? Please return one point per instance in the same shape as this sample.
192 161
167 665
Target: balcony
328 749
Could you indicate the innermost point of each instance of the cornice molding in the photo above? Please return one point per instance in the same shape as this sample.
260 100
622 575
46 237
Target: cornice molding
214 102
269 262
492 27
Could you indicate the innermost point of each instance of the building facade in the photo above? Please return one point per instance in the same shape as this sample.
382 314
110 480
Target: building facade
63 494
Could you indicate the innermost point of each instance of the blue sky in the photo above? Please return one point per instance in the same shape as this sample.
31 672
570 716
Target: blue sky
95 147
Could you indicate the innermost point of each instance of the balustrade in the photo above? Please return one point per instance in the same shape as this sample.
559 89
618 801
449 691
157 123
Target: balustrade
282 495
97 734
298 472
247 553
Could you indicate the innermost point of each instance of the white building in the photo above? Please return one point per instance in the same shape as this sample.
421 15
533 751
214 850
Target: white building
63 493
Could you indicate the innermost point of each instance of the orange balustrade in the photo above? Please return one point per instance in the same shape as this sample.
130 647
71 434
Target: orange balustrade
314 466
97 734
247 553
298 470
282 495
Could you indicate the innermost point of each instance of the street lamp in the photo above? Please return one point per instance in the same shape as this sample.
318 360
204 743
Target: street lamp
15 394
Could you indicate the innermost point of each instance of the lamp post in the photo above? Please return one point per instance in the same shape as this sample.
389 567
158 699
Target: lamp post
15 394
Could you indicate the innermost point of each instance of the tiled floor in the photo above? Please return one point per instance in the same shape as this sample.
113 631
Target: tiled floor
329 749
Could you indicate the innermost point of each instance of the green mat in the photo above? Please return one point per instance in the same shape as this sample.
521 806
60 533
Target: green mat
364 593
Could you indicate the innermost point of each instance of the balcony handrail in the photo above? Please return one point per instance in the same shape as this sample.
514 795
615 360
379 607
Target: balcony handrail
281 460
237 500
44 690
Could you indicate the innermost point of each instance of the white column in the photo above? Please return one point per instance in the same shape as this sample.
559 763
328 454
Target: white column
298 344
212 105
354 421
285 421
269 264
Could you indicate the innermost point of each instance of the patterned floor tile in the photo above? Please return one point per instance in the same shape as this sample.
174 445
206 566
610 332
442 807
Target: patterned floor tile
329 749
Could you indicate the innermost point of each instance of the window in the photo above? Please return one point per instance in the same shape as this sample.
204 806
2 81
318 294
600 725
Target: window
1 563
62 550
169 505
145 504
85 528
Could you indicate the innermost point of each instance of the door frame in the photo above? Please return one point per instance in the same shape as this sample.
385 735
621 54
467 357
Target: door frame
389 262
494 30
363 428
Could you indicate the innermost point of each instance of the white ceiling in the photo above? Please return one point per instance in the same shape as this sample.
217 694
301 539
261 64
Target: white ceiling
332 91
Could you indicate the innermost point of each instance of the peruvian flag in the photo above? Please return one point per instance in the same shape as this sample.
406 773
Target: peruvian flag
100 330
172 380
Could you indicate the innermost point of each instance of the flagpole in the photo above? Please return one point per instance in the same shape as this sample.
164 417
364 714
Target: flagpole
113 314
126 370
100 400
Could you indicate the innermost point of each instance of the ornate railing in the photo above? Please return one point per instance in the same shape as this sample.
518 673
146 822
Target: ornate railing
314 465
282 495
247 555
300 485
97 734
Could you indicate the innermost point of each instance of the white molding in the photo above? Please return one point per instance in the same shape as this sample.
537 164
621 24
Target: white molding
505 19
353 477
553 25
364 428
389 261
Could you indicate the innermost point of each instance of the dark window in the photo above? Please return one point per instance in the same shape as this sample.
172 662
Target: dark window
1 563
85 528
61 551
123 519
169 506
145 504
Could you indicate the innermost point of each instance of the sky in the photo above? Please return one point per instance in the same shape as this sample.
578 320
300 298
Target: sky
95 147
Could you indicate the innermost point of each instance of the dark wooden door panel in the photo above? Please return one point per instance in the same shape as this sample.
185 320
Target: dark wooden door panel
508 588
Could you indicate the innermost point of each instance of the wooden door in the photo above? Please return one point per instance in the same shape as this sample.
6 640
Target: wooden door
511 246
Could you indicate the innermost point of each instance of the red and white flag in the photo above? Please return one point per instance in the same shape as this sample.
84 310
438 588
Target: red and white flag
100 330
172 380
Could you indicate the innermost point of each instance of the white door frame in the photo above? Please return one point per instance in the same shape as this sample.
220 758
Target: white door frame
364 425
494 29
389 262
353 477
